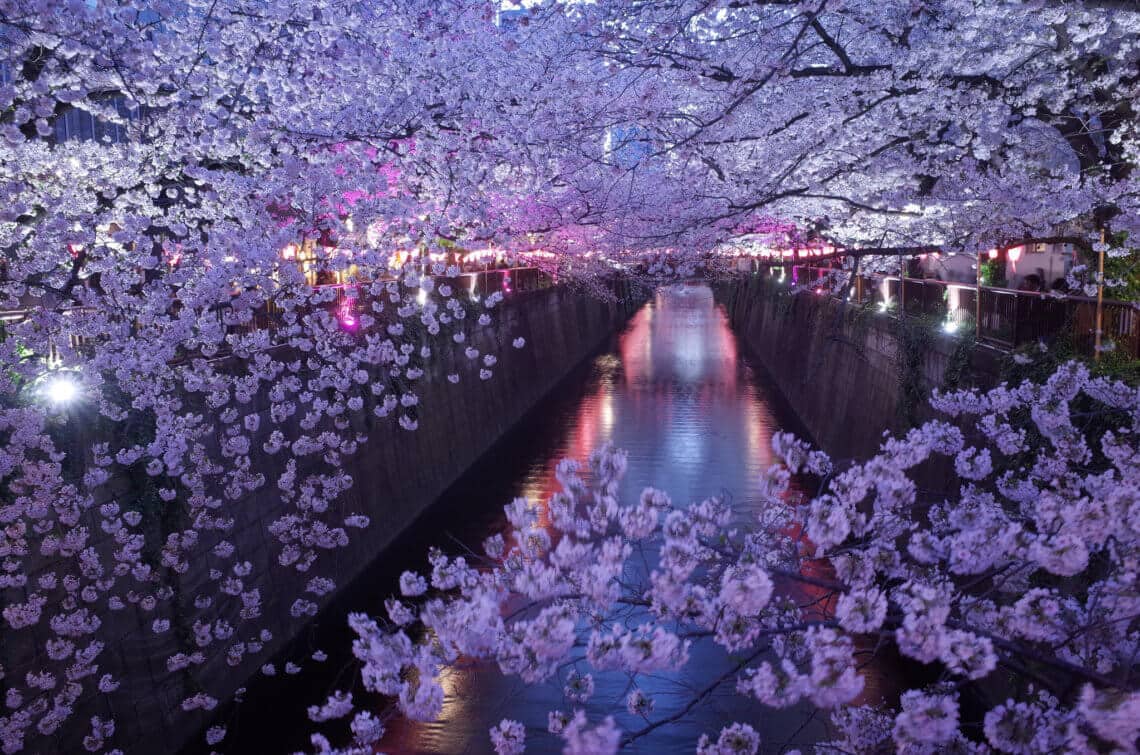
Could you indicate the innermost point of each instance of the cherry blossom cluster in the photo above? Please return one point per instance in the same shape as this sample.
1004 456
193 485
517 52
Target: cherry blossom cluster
1022 581
165 355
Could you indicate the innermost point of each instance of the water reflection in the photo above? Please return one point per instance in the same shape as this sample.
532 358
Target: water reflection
695 422
674 392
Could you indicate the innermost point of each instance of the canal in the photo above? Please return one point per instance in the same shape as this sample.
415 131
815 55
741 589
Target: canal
696 418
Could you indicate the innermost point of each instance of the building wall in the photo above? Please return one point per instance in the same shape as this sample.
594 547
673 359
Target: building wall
957 268
1048 262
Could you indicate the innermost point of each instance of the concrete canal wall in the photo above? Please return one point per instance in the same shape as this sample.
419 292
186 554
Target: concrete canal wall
396 477
850 375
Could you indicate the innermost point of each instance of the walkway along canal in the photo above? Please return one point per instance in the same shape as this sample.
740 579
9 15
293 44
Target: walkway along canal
696 418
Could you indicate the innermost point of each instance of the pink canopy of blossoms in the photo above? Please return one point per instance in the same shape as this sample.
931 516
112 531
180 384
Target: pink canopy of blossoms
148 312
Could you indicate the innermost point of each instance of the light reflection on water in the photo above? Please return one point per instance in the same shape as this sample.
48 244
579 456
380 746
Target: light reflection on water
695 421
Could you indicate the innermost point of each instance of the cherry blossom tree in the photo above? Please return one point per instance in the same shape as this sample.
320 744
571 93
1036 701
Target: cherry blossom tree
1019 583
892 123
150 276
156 296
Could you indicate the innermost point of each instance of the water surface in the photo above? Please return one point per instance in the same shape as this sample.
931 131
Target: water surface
696 419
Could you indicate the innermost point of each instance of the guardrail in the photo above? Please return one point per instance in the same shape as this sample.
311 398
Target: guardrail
1005 318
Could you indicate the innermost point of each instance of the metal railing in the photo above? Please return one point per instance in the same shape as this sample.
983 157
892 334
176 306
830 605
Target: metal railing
1005 318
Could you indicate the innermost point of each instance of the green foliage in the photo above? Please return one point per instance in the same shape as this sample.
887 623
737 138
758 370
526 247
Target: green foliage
914 338
767 286
785 304
993 273
1125 268
958 366
860 321
1037 363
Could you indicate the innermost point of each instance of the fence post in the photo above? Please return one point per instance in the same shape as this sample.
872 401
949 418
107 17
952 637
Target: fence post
1018 301
1099 298
978 299
902 288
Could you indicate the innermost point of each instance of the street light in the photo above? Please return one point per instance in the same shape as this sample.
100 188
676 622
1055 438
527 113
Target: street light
61 390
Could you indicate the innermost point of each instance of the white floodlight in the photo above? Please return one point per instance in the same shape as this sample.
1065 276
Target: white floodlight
61 390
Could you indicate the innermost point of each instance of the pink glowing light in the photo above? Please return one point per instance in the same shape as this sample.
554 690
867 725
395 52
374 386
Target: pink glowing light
346 316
